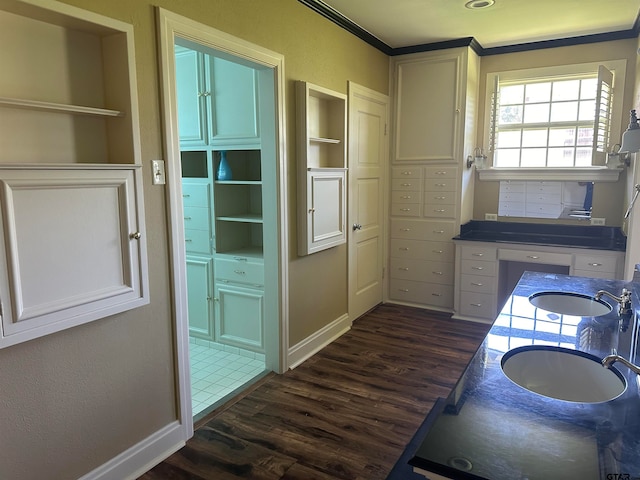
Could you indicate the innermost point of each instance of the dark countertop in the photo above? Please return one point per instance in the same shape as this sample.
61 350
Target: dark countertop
491 428
579 236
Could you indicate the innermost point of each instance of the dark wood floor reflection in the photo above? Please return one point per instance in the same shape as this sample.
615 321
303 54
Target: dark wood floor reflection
346 413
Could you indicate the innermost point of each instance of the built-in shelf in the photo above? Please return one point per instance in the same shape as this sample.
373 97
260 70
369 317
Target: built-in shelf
238 182
248 218
58 107
323 140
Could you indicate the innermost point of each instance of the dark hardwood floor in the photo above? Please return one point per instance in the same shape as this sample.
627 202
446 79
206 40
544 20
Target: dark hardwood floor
346 413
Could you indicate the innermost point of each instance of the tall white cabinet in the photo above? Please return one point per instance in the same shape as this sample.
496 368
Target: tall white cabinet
436 96
218 116
72 231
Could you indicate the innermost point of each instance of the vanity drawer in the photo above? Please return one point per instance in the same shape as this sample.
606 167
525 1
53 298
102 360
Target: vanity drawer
439 198
406 172
195 194
479 305
406 184
478 267
440 185
596 263
478 253
400 196
449 173
440 211
422 271
477 283
239 271
420 292
421 250
197 217
197 241
529 256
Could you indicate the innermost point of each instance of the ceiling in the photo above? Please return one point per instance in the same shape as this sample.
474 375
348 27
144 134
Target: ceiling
397 24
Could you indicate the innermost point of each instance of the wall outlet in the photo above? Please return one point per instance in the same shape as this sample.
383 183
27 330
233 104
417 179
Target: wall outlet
597 221
491 216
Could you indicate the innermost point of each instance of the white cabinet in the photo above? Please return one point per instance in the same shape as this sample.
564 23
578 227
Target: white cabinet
217 102
431 188
476 281
200 296
72 247
72 239
321 147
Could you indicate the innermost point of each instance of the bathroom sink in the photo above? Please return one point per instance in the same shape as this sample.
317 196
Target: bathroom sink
563 374
566 303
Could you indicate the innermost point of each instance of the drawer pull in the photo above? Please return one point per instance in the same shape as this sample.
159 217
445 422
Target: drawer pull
405 229
533 257
441 173
185 195
441 184
438 232
187 218
406 197
478 254
437 273
404 249
239 272
404 269
439 198
405 290
477 268
437 251
405 209
436 294
595 264
187 240
405 184
407 172
477 284
240 259
439 210
476 305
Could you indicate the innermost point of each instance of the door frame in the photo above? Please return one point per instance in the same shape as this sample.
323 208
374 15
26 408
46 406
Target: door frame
170 27
356 90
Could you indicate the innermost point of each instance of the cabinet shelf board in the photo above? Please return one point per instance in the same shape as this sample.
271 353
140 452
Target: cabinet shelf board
58 107
246 218
324 140
238 182
249 252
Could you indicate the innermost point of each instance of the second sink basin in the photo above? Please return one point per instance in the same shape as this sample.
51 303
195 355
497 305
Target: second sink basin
563 374
565 303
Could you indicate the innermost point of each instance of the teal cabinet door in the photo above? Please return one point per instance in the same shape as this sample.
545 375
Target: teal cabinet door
240 316
191 95
199 295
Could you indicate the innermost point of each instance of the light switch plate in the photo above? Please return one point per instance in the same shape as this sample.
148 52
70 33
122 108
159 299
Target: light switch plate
157 169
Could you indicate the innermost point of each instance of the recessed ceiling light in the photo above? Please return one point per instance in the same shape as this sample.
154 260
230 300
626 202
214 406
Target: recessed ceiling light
477 4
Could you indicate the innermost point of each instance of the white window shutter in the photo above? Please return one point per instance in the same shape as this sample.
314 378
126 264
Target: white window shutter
493 119
602 120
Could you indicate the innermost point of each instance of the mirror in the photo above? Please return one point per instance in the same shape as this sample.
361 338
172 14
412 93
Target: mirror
548 199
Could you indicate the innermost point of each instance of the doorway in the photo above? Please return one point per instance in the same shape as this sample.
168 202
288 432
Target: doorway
241 266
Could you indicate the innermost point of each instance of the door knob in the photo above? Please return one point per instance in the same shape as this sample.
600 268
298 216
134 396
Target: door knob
357 226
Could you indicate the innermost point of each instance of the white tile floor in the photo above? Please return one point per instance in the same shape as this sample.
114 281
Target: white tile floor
218 370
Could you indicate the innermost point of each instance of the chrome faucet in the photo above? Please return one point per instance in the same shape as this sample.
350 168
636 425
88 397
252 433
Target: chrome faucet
611 359
624 300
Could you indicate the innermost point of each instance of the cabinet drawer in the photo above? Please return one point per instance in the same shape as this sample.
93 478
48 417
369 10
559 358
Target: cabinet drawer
406 172
477 283
197 217
528 256
440 211
421 250
239 271
406 184
480 305
422 271
422 230
592 274
596 263
478 253
440 198
197 241
544 188
405 209
195 195
436 295
478 267
440 185
399 196
435 173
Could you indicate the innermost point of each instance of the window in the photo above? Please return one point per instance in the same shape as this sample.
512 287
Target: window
554 117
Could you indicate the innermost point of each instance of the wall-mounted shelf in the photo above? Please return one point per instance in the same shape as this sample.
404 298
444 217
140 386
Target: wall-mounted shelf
322 172
58 107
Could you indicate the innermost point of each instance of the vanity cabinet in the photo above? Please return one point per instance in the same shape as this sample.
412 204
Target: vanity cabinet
217 101
321 117
483 271
431 188
72 227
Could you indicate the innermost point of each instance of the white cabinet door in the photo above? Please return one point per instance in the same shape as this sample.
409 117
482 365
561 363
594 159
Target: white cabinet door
72 248
240 316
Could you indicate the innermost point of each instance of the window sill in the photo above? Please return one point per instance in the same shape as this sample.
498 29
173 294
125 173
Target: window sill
586 174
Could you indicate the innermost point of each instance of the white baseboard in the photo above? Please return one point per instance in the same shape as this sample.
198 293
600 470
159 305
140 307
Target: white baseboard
143 456
317 341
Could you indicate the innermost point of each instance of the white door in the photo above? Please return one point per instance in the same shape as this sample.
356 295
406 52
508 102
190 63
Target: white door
368 161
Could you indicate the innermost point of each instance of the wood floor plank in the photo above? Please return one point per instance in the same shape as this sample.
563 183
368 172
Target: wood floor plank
347 413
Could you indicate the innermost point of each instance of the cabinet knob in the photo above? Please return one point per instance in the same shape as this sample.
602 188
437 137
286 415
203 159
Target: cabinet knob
357 226
311 210
135 236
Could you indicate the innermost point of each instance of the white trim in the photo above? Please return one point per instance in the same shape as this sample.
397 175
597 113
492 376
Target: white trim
171 26
141 457
311 345
586 174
